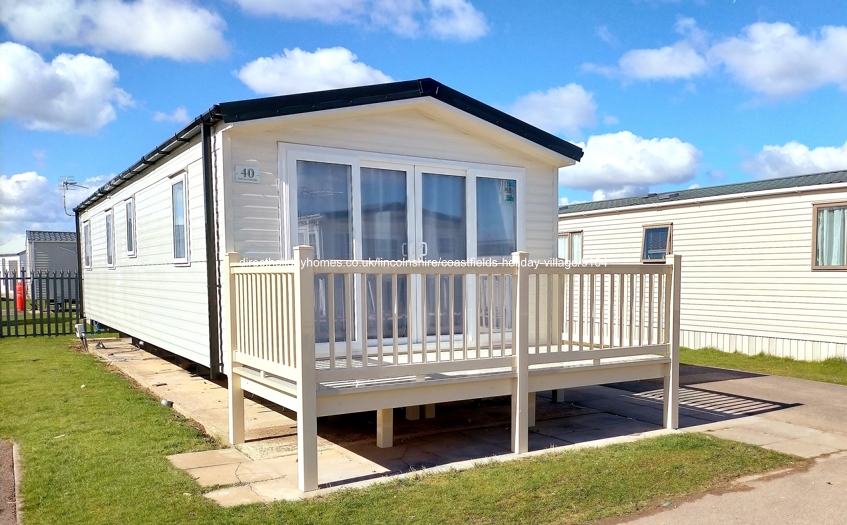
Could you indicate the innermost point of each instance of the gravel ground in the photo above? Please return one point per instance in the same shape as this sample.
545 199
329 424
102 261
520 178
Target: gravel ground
7 485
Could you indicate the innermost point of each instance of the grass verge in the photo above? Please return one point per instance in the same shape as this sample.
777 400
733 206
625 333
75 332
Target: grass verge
832 370
96 455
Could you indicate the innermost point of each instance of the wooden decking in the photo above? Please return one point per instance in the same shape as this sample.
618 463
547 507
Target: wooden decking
505 329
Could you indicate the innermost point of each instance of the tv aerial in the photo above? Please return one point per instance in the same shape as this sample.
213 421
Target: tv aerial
69 184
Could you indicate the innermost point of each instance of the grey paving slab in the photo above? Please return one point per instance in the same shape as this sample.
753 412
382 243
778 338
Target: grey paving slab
207 458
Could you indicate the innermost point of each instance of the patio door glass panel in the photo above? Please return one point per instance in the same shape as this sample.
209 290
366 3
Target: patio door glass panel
444 238
496 234
385 236
325 222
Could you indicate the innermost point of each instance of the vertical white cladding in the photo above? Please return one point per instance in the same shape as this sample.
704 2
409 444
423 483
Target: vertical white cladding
147 294
747 281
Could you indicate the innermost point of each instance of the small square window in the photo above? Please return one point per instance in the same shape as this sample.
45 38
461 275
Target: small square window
570 247
656 242
829 237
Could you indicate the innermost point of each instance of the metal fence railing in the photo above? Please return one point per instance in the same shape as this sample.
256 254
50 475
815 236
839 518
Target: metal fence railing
38 303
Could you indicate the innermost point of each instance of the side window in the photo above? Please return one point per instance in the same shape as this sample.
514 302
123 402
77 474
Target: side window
110 238
656 242
179 221
130 227
829 237
570 246
86 237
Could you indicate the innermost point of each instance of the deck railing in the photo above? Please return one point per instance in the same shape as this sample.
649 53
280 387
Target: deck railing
345 324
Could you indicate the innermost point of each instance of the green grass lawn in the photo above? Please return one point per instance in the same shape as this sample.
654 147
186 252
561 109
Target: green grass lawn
96 455
832 370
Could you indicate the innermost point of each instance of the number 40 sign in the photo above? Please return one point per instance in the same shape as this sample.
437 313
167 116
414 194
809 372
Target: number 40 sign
246 174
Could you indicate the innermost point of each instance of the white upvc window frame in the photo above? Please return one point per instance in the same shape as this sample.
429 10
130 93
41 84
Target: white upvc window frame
87 254
130 227
174 180
111 252
289 154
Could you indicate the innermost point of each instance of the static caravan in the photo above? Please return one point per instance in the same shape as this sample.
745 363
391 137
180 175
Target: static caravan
765 267
360 249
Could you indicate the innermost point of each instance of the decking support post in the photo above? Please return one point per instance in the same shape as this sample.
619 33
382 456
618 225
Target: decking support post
530 405
429 411
230 343
520 339
558 395
413 413
385 427
307 420
671 390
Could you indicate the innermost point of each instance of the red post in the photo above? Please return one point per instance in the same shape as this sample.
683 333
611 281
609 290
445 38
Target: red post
20 296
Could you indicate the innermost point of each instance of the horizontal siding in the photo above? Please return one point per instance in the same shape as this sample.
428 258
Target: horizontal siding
253 224
746 266
148 296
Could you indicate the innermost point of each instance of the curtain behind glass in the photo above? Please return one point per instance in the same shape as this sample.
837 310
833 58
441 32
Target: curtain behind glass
496 217
110 240
576 247
831 237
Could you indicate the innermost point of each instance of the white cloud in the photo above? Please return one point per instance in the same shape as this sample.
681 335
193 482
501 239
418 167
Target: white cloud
623 164
680 60
74 93
773 59
298 71
29 201
794 158
456 19
443 19
176 29
179 115
559 110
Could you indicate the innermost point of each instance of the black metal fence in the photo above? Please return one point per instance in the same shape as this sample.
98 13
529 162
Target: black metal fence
38 303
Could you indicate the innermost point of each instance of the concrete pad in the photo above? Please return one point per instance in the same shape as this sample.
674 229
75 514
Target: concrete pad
251 471
230 497
747 435
207 458
277 490
837 441
216 475
779 428
798 447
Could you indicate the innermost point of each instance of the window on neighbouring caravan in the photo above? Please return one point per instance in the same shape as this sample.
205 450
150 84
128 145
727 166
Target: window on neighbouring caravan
570 246
130 227
829 237
86 236
656 242
110 238
180 229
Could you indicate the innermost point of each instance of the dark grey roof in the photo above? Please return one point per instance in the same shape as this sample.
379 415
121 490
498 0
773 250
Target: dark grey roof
39 236
267 107
799 181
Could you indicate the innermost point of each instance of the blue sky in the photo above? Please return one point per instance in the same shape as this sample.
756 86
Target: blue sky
662 94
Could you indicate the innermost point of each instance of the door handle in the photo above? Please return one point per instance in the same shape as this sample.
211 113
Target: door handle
423 249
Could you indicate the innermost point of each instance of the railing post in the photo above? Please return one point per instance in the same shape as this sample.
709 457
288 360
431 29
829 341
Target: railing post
307 420
230 344
671 387
520 341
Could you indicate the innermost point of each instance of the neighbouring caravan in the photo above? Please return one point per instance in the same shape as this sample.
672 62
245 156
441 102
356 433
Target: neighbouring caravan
409 171
765 262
